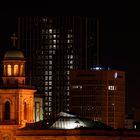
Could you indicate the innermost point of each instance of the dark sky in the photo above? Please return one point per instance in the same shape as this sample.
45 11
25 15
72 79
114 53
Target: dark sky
119 35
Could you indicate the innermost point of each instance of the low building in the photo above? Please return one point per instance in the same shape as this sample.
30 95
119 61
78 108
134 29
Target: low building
71 127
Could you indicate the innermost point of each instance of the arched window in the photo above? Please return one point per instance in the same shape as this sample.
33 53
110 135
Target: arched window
21 70
9 70
25 111
7 111
15 70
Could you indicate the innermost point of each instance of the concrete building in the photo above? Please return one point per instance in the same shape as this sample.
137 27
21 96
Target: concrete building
98 95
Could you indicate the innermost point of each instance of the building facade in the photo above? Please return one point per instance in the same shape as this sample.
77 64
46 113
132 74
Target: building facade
53 45
16 99
98 95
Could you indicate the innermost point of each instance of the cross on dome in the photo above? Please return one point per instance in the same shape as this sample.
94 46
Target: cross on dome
14 38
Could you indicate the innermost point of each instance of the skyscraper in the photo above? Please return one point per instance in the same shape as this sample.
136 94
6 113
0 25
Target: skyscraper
53 45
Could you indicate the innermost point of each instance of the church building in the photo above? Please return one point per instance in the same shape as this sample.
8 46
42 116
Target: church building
16 99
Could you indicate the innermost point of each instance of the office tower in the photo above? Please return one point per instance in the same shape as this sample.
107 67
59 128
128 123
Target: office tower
53 45
98 95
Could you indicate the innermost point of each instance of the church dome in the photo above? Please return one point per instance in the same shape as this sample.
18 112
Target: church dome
14 54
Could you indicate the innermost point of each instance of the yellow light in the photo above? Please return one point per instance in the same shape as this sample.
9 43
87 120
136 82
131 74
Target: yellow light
9 70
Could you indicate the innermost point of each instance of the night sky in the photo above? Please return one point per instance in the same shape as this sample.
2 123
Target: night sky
119 36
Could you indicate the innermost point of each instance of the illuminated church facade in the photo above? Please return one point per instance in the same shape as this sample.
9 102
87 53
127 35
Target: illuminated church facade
16 99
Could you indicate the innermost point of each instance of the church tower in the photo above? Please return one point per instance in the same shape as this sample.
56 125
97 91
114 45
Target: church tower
14 63
16 98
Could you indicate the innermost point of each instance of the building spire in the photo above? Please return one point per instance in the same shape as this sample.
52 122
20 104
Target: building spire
14 38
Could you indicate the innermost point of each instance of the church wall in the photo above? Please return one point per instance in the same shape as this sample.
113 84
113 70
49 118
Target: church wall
26 97
7 132
8 95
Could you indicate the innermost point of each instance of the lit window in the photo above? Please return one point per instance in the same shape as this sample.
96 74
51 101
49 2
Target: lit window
37 111
50 62
9 70
68 93
116 75
50 82
77 87
71 62
50 31
50 56
46 103
15 70
69 35
46 83
54 41
46 73
50 67
21 70
50 77
46 77
71 56
111 87
50 93
54 36
54 46
71 67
